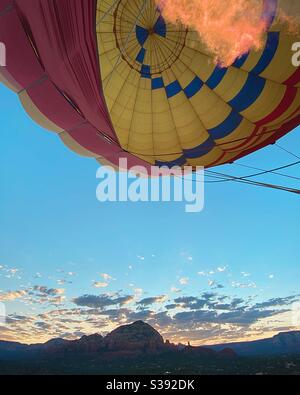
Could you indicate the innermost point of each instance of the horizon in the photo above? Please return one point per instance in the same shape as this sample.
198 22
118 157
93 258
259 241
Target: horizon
103 335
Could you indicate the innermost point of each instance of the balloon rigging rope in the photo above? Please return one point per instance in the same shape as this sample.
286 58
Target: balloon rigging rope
223 177
273 172
263 172
226 177
247 178
287 151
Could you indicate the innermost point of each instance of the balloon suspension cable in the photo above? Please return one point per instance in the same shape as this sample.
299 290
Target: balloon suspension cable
218 177
271 171
287 151
221 177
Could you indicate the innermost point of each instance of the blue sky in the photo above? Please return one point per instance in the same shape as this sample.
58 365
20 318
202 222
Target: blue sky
57 235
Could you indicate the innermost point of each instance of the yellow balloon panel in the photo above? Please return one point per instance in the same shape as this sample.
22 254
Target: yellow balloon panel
171 104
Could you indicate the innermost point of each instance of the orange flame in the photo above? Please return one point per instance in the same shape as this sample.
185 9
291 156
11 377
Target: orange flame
228 28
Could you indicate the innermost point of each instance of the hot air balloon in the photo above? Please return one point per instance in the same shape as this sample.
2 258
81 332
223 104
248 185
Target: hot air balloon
114 79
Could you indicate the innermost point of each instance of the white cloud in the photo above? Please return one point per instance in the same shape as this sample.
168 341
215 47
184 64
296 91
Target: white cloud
243 285
13 271
138 292
220 269
244 274
99 284
106 276
175 290
184 280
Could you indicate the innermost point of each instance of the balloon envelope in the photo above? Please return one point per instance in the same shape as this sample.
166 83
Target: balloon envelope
115 80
